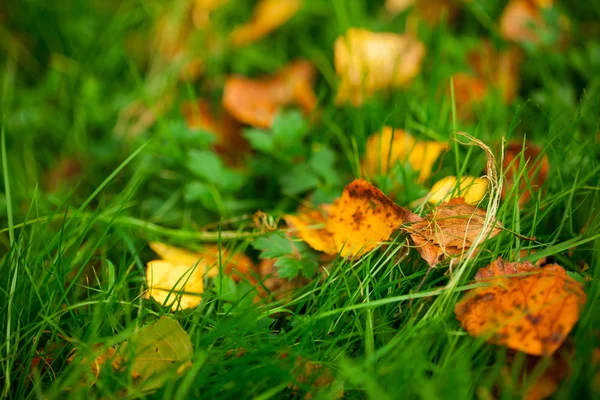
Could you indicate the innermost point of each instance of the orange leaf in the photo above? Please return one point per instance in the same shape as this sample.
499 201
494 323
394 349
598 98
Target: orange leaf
310 225
256 101
367 62
363 218
536 169
524 307
522 21
268 16
395 145
449 230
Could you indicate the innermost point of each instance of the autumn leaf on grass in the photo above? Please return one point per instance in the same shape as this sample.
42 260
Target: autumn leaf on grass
368 62
315 379
256 101
523 307
449 230
309 224
178 278
274 286
151 356
202 10
527 166
429 11
395 145
471 189
525 21
363 218
267 17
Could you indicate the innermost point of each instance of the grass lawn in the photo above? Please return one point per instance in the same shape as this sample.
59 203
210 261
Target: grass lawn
115 144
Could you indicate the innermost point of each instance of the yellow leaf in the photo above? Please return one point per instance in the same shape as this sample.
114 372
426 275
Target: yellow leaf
470 188
395 145
310 226
367 62
268 16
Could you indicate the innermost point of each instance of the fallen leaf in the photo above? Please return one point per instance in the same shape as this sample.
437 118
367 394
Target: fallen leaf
318 376
523 307
471 189
256 101
523 21
429 11
183 271
202 10
62 175
398 6
149 354
536 167
469 92
273 286
449 230
363 217
368 62
392 145
310 227
267 17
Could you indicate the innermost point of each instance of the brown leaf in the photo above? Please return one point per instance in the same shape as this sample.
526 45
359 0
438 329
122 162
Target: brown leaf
63 174
523 307
536 169
449 230
256 101
368 62
318 376
363 218
275 287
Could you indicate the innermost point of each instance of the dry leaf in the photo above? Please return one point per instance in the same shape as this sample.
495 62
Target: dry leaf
267 17
536 169
256 101
183 271
523 307
363 217
230 143
318 376
367 62
395 145
471 189
275 287
523 21
310 227
429 11
449 230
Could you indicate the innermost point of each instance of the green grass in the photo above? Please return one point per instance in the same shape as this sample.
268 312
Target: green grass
72 266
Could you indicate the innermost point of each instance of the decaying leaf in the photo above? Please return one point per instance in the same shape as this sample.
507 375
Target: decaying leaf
274 286
523 21
178 278
449 230
310 227
536 167
318 376
471 189
368 62
230 142
363 217
256 101
523 307
395 145
149 354
268 16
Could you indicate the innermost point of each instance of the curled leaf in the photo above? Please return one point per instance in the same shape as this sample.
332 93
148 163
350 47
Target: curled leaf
256 101
530 160
449 230
363 217
178 278
267 17
471 189
367 62
523 307
391 146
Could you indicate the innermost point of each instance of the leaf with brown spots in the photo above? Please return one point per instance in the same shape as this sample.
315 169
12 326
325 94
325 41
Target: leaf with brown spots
449 230
522 307
310 227
256 101
363 217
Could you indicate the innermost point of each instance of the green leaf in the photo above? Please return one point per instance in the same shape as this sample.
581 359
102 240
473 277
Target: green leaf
260 140
299 180
156 351
198 191
322 162
206 165
289 128
273 246
287 267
